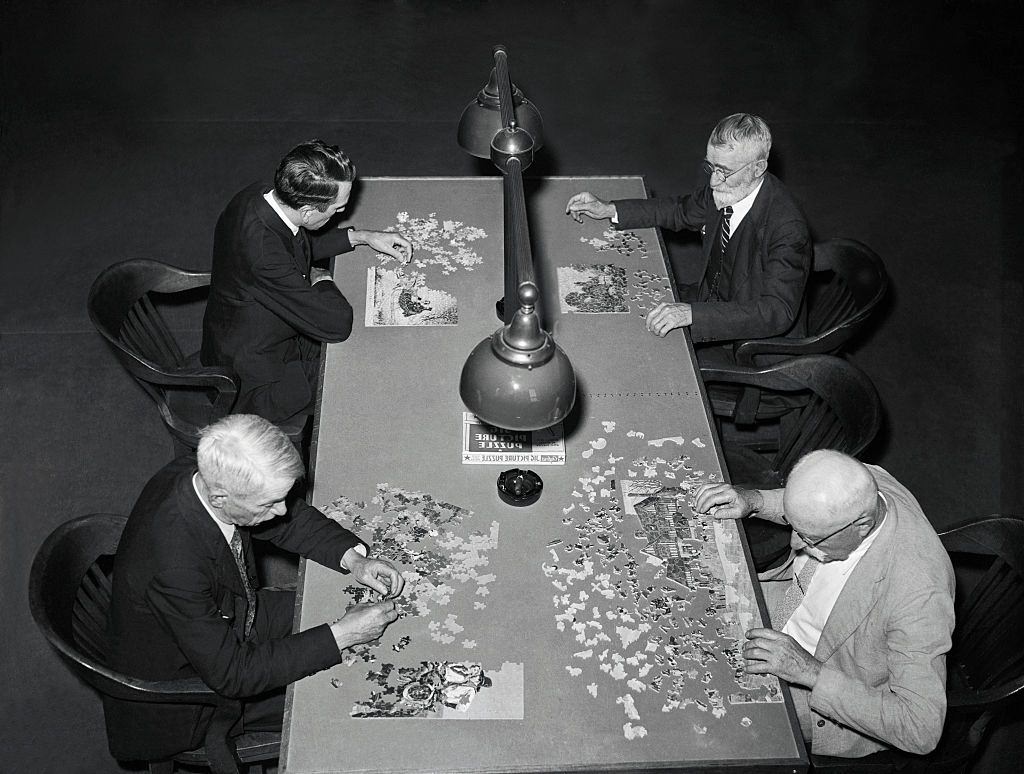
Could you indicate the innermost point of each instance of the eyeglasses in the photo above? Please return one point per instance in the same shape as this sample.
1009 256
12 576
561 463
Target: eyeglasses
811 543
712 169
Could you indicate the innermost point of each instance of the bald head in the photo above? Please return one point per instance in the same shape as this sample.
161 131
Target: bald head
826 490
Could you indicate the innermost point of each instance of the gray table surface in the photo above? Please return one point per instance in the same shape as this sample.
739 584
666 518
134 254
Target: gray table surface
390 414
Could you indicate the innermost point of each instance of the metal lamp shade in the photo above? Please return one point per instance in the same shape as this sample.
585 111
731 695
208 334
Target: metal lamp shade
481 120
517 397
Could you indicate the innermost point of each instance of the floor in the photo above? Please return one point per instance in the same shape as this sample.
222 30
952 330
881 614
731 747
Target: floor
126 126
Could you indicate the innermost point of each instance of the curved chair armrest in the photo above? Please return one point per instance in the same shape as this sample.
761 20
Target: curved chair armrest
987 697
223 380
187 691
107 681
768 377
822 344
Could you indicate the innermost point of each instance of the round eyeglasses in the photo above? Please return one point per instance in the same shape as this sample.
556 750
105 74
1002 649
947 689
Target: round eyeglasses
713 169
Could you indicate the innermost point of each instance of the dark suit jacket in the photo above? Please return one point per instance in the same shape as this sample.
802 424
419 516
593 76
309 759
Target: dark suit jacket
770 254
263 318
178 610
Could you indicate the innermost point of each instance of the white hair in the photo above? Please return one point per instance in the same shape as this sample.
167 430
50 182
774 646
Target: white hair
743 129
245 454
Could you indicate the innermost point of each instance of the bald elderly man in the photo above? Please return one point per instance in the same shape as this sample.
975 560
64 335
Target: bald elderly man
862 612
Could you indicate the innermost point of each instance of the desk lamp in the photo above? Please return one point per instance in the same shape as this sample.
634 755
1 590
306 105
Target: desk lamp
518 378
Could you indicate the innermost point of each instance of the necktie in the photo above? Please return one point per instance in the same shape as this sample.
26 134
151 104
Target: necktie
250 595
794 594
714 273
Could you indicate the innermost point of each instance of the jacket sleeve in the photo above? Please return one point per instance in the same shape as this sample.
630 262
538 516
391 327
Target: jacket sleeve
182 598
307 532
333 241
773 311
318 311
906 711
674 213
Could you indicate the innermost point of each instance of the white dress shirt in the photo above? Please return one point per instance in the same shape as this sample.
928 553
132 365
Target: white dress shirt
741 208
809 619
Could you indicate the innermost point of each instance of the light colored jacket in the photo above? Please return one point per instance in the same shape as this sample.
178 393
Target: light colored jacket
883 683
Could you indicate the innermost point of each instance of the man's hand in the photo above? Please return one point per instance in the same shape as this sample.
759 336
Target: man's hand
363 623
770 652
387 242
725 501
377 574
585 203
667 317
317 274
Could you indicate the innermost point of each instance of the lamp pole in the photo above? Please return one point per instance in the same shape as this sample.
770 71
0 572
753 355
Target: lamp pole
518 378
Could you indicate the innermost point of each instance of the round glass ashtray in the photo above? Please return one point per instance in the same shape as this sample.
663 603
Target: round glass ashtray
519 487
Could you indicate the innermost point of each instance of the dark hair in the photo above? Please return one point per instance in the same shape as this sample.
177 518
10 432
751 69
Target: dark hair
310 174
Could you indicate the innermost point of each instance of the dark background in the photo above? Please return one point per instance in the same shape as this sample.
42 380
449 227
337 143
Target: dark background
126 127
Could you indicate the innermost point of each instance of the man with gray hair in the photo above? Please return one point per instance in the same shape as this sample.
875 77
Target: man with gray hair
861 613
185 599
756 244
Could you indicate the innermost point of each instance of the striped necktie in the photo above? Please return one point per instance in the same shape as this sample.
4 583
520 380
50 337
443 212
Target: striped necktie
250 595
794 594
714 271
726 230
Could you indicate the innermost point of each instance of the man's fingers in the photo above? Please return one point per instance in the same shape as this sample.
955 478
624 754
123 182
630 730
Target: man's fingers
756 653
767 634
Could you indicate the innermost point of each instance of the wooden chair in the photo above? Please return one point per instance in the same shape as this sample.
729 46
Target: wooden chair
69 596
847 283
985 667
840 411
188 395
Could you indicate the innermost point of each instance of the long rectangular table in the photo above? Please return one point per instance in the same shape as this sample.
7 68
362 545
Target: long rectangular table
597 629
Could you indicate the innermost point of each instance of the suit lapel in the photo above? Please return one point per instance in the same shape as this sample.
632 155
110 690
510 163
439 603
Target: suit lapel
298 244
208 535
861 591
750 232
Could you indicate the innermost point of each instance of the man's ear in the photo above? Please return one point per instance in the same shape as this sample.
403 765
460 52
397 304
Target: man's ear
760 167
218 497
306 212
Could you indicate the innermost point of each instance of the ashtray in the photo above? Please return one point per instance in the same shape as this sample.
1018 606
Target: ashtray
519 487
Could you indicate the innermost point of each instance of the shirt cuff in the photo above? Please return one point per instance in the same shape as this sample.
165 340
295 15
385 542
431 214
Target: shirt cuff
359 548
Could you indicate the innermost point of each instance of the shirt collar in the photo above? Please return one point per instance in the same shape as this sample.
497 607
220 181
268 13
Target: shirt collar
227 530
742 207
269 196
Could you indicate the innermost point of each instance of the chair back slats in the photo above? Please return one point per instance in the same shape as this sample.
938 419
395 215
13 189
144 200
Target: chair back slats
167 342
834 305
985 630
147 334
841 410
986 662
816 428
130 303
90 613
847 282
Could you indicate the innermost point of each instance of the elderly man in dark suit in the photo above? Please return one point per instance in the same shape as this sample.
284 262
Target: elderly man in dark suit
862 611
756 243
270 307
185 601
